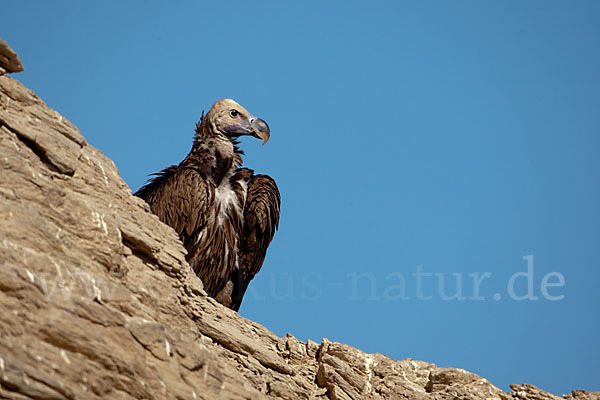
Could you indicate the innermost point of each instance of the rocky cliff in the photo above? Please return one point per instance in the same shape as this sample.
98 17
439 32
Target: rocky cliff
97 300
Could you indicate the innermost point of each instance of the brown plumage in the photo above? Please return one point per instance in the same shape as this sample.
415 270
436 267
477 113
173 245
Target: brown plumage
224 214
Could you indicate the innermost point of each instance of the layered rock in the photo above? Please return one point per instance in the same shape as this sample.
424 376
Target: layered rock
98 301
9 61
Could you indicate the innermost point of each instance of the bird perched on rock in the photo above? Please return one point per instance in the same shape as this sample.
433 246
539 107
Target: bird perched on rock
224 214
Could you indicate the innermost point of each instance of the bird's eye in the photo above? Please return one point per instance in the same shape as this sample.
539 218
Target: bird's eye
234 113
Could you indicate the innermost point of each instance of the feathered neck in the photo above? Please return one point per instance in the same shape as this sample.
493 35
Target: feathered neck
213 153
207 133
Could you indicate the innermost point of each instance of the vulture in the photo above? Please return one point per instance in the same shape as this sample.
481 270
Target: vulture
225 215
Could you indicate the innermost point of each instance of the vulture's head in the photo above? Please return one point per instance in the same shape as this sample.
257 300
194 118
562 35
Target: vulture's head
227 117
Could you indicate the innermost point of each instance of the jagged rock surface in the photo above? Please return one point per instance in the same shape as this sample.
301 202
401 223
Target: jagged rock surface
97 300
9 61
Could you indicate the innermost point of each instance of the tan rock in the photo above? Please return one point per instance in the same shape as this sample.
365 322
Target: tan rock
9 61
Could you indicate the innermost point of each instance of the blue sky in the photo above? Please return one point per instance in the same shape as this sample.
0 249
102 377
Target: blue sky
432 136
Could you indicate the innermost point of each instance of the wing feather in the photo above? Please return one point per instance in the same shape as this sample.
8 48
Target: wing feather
261 220
181 198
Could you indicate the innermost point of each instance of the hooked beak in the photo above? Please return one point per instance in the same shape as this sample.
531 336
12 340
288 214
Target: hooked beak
253 126
260 129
